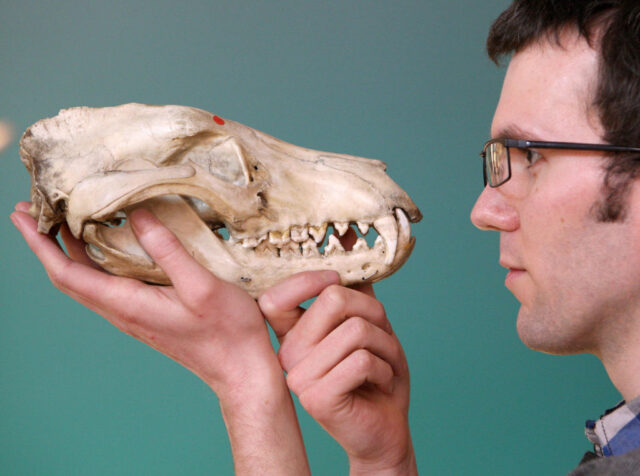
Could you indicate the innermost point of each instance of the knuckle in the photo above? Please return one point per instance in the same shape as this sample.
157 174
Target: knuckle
294 382
362 359
308 402
284 356
379 309
200 296
267 305
58 276
335 297
357 329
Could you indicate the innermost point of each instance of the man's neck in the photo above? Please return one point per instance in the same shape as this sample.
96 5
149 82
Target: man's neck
620 355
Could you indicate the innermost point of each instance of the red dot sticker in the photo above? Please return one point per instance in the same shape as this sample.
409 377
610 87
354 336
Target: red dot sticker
218 120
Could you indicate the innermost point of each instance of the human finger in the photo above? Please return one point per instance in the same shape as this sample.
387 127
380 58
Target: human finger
332 307
353 334
365 288
280 304
107 295
23 207
359 368
196 286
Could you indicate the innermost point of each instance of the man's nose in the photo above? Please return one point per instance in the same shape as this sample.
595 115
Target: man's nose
493 212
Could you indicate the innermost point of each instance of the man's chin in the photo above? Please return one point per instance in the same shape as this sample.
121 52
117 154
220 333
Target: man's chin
538 333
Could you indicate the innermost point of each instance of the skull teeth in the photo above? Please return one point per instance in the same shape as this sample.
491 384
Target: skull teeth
279 238
291 249
333 247
299 234
318 232
310 249
341 227
305 240
361 245
363 227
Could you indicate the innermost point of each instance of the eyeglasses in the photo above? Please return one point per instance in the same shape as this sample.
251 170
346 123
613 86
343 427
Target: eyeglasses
496 159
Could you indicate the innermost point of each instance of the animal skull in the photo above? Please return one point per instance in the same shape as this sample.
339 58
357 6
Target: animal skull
199 173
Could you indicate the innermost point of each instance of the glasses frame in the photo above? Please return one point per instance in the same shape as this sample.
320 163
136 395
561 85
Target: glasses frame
532 144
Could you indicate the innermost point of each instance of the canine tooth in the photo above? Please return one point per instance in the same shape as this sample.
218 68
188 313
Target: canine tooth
387 227
333 246
341 227
309 248
279 238
290 249
363 227
299 233
361 245
318 232
404 227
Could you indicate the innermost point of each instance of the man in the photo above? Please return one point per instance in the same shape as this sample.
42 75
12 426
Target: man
569 223
561 190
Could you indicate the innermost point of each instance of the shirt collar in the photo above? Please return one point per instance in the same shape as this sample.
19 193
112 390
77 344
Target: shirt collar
617 431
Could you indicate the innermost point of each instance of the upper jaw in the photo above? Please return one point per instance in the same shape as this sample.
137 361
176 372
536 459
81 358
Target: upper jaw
257 267
305 240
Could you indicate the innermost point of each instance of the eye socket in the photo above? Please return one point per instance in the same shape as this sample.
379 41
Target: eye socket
223 159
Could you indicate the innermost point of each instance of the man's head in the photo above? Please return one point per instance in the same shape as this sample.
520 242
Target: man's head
612 27
572 249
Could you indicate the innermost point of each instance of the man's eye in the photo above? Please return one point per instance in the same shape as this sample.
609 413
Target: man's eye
532 156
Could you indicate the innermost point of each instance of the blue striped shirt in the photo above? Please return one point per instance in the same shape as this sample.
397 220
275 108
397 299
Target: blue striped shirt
617 431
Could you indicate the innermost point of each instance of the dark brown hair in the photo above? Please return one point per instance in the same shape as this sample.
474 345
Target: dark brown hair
617 93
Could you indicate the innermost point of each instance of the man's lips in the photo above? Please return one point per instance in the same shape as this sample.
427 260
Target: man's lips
514 270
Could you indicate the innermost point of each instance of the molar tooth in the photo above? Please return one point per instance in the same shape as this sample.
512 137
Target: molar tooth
253 242
310 249
318 232
249 242
299 233
387 227
363 227
341 227
266 249
361 245
290 249
333 246
279 238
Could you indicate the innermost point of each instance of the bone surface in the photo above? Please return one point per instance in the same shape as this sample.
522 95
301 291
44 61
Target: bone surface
249 207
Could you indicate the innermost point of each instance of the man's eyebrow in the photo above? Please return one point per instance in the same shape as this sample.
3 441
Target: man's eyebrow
515 132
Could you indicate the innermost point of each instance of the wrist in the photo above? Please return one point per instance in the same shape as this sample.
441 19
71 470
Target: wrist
255 377
405 465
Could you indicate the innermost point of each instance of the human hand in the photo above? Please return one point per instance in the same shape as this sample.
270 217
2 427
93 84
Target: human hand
346 366
213 328
202 322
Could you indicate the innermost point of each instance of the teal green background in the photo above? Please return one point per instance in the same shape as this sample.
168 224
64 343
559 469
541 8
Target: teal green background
405 82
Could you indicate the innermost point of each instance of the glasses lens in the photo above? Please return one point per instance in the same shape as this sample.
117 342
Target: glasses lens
497 168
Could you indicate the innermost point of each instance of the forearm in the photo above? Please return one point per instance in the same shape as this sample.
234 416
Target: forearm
262 426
